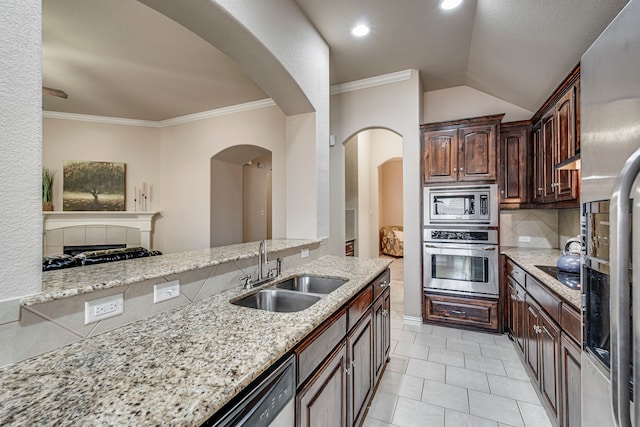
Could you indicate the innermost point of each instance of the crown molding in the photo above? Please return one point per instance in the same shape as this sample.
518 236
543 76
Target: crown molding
162 123
384 79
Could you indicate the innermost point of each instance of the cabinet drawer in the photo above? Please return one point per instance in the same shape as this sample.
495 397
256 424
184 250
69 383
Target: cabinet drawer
571 322
462 311
359 306
547 301
381 283
316 347
516 272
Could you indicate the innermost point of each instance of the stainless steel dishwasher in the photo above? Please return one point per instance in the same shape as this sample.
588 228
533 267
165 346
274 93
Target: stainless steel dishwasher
267 402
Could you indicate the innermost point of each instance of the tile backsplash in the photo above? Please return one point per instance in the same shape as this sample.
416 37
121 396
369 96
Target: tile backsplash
529 228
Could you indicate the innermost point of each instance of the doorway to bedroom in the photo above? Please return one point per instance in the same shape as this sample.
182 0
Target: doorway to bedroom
373 194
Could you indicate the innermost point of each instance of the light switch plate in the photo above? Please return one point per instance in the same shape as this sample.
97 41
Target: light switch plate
524 239
304 253
103 308
165 291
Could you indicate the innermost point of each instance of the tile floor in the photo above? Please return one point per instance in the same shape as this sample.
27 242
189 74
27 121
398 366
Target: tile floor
446 377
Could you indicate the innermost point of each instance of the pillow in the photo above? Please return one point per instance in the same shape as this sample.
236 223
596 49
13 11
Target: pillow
399 234
109 255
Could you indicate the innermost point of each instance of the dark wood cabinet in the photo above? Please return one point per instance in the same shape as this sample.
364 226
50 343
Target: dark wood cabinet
340 363
555 138
516 316
461 150
570 355
440 156
542 355
478 313
514 171
360 369
382 330
322 401
550 352
566 181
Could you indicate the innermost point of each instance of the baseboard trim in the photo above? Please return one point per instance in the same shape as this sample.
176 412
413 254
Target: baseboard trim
411 320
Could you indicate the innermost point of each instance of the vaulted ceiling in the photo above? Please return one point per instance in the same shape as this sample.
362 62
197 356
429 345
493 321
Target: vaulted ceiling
122 59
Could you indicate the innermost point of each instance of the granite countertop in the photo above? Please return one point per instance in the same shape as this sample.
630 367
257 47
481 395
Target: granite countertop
528 259
176 368
68 282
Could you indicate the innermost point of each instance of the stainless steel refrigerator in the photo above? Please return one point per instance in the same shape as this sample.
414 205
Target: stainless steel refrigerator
610 152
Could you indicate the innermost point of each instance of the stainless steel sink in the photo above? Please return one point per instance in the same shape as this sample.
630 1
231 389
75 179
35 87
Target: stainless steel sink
311 284
278 301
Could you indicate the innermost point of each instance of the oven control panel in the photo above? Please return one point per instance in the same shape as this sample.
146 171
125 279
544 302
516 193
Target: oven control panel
444 235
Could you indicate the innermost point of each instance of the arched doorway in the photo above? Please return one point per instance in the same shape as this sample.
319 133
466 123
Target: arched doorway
240 209
365 152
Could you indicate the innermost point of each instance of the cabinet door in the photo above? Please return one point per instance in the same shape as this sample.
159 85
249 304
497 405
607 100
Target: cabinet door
565 143
512 307
378 329
323 401
520 319
359 348
477 153
386 313
532 344
550 366
538 163
440 152
570 367
548 159
513 166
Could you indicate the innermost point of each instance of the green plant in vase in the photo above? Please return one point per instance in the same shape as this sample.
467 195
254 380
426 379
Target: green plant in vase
47 183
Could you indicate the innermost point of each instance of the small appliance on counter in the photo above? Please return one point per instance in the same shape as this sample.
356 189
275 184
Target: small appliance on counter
569 262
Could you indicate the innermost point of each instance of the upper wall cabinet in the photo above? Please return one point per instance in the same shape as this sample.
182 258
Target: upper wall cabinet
461 150
514 169
556 137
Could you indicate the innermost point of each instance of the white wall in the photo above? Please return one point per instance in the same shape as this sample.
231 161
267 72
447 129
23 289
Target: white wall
390 201
185 183
226 203
136 146
396 106
20 139
462 102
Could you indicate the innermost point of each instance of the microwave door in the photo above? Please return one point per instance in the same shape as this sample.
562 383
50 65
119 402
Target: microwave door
621 339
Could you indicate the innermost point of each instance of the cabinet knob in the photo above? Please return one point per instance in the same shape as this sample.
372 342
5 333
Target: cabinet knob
353 363
383 284
461 169
347 371
540 188
385 312
455 169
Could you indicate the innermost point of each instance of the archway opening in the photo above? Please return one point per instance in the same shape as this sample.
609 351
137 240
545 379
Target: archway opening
373 189
241 188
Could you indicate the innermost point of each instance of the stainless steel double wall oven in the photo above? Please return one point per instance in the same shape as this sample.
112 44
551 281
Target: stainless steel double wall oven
460 242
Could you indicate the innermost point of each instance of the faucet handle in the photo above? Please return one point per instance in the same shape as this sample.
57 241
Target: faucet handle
246 279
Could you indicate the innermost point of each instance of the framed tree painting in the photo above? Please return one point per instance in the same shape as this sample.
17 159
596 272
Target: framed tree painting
93 186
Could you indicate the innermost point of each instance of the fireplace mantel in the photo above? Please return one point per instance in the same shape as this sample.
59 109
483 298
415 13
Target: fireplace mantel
140 220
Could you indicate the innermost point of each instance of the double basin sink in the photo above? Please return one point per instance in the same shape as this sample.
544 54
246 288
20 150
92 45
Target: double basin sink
294 294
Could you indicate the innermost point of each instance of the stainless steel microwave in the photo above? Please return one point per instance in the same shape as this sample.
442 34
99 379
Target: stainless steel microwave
477 204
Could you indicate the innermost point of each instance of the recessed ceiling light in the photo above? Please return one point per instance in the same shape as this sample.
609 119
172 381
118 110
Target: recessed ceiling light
360 30
450 4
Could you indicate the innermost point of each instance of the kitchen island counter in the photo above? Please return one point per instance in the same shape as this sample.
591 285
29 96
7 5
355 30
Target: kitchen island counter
175 368
528 258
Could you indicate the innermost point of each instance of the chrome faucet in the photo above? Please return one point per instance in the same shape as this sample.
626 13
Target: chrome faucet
262 263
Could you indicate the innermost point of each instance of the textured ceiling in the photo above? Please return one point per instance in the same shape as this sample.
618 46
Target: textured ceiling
122 59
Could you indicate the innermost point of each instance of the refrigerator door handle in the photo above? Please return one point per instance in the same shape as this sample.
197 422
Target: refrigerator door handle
619 304
635 239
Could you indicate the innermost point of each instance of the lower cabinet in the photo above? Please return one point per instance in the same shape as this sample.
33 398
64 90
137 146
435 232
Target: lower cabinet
478 313
321 401
570 366
360 368
550 352
336 383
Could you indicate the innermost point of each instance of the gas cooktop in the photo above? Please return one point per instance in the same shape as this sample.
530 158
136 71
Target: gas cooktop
571 280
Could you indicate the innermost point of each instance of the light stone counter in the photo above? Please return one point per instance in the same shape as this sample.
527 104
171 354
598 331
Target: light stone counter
528 259
177 368
68 282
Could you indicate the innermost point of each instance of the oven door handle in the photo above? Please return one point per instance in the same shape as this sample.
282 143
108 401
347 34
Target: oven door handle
485 248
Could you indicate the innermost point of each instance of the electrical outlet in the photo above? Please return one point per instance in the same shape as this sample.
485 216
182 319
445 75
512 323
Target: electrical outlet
304 253
103 308
165 291
524 239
